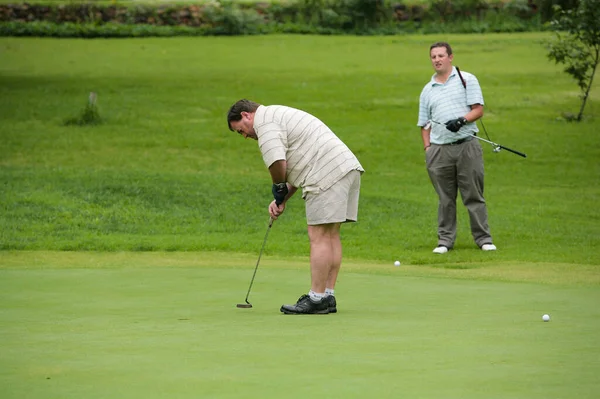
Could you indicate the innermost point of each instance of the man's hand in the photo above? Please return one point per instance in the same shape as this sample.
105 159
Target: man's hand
454 125
276 210
280 190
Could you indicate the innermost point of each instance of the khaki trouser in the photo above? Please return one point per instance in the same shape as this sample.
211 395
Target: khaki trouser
459 167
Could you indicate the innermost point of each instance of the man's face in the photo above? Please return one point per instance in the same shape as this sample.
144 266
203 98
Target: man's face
441 61
245 126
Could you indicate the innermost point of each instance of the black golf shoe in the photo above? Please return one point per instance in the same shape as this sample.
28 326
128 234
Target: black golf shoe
331 303
305 305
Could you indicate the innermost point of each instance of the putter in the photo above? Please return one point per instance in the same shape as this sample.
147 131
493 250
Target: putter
248 305
497 147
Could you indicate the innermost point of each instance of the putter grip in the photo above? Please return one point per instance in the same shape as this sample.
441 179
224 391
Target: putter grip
513 151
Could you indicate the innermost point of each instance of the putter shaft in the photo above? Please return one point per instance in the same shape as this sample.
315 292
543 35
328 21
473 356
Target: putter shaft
258 261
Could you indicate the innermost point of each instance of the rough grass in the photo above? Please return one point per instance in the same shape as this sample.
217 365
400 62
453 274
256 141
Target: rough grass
164 173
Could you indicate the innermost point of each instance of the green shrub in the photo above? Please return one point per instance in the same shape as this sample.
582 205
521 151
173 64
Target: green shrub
364 17
108 30
546 7
230 20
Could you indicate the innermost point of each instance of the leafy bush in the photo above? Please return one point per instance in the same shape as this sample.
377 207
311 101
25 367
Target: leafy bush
576 45
450 10
237 18
108 30
546 7
229 20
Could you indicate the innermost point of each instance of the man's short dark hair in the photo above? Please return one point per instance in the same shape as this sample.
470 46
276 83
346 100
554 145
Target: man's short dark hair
235 112
441 44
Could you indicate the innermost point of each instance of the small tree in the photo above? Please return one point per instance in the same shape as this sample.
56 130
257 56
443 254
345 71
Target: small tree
577 44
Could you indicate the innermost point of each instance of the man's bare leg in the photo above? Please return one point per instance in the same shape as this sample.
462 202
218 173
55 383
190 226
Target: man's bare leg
325 260
336 246
325 255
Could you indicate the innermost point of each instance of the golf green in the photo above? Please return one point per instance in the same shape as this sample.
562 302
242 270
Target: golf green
166 325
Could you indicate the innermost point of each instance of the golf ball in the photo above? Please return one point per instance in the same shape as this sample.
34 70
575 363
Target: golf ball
397 263
546 317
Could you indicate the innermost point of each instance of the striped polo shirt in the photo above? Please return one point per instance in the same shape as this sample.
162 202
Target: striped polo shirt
441 102
316 158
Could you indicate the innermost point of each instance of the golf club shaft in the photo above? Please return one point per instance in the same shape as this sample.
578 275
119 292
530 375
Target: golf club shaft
513 151
500 146
271 220
492 143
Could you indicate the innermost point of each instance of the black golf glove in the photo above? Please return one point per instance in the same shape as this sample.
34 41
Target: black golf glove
280 190
454 125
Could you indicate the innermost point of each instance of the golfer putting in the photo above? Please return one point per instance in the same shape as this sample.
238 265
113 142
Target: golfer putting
300 151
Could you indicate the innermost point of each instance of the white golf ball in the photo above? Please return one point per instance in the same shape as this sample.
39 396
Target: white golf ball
546 317
397 263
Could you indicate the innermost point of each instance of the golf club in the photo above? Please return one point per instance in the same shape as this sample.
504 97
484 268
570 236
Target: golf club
497 147
248 304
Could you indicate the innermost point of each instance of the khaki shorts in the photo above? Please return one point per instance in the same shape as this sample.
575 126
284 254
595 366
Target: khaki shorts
337 204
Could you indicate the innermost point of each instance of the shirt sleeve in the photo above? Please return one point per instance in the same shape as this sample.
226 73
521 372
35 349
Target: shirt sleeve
474 94
272 142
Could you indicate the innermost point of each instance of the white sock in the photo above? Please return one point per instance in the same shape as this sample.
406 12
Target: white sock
329 291
315 296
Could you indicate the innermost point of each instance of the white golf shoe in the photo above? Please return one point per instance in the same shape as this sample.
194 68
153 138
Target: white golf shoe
440 249
488 247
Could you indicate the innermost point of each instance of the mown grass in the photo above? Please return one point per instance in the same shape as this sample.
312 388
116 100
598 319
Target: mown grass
126 245
164 173
154 325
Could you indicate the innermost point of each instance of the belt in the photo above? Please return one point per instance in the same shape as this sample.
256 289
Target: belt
457 142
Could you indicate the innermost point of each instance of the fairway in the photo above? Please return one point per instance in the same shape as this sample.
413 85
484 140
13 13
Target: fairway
163 172
156 325
125 246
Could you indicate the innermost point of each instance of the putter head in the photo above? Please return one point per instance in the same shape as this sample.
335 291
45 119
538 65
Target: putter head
246 305
497 149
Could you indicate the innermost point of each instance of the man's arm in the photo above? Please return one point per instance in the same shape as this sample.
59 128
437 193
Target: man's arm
475 113
426 135
424 117
278 171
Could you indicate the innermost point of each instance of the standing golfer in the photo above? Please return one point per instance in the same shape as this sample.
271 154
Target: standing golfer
301 151
449 105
